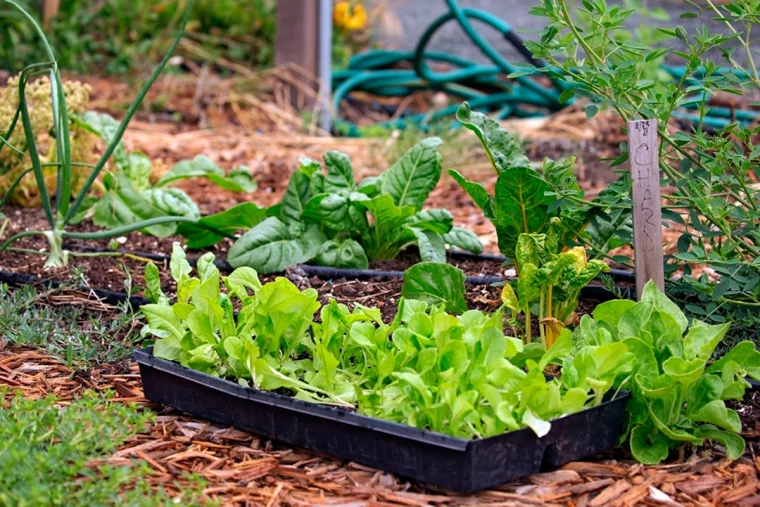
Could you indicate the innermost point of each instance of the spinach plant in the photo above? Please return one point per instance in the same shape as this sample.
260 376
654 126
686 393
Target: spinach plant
129 196
328 218
60 216
677 396
427 368
526 200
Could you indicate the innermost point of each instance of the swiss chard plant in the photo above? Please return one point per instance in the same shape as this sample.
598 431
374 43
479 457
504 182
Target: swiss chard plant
427 368
677 396
549 285
65 209
327 218
526 200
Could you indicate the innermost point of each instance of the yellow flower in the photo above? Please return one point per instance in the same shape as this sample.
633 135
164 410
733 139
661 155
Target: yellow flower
350 17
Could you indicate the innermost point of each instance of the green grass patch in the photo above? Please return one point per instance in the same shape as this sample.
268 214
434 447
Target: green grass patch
77 336
46 453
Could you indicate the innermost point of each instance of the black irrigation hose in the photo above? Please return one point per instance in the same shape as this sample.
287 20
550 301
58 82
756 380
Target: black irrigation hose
106 296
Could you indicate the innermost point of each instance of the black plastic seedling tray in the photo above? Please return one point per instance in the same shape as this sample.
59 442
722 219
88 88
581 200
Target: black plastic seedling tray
424 456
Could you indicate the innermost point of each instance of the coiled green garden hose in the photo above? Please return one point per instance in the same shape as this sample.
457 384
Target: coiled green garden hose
375 72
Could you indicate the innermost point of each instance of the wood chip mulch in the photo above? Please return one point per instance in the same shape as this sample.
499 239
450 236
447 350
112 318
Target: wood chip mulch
243 469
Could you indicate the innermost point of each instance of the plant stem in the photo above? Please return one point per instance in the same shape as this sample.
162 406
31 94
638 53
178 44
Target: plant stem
17 237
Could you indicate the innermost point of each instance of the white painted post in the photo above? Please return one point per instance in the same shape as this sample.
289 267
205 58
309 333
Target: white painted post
643 146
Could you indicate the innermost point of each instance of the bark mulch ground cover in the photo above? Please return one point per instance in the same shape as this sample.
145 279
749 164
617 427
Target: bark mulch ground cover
243 469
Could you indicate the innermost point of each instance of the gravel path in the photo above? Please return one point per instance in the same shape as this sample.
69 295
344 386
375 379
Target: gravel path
415 15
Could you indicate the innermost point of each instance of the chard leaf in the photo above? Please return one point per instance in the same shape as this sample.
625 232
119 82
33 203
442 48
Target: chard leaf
463 238
410 180
435 220
243 216
436 283
345 253
503 150
272 246
340 174
521 206
477 193
383 239
431 245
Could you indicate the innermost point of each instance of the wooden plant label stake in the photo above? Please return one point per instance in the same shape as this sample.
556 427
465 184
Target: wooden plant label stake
647 216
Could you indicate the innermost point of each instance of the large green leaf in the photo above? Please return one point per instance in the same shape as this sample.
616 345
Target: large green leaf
241 217
239 179
345 253
340 174
105 127
381 240
336 212
172 201
299 191
122 205
431 245
435 220
520 206
415 174
464 239
436 283
503 150
477 192
272 246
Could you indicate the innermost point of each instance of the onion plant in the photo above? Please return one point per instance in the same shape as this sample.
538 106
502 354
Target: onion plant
60 215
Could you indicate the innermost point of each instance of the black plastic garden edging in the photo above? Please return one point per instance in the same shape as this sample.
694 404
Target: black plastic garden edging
433 458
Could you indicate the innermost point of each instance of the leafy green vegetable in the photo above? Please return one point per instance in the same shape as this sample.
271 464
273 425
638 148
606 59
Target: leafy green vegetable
130 197
371 221
549 284
676 397
240 217
428 368
526 200
436 283
239 179
271 246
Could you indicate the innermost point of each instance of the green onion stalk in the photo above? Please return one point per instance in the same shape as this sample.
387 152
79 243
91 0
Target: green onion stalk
65 210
